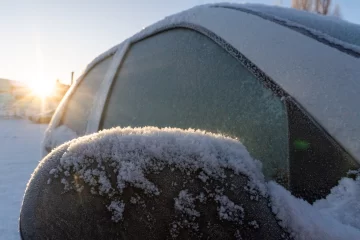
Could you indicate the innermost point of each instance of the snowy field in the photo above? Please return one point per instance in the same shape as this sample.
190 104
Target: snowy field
20 152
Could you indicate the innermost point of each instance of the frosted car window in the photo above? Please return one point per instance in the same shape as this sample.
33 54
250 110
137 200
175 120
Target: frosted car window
181 78
79 105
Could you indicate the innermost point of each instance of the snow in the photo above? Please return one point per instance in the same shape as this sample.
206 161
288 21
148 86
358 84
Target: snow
20 153
305 221
343 202
332 29
254 224
185 203
228 210
117 208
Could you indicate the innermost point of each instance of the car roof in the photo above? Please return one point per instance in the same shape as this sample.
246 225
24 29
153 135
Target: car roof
321 78
331 28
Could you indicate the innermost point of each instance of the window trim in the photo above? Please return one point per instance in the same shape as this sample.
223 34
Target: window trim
60 110
98 107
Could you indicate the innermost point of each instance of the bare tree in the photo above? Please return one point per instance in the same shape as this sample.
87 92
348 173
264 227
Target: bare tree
322 6
319 6
302 4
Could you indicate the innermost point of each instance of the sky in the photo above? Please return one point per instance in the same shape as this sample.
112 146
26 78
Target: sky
42 39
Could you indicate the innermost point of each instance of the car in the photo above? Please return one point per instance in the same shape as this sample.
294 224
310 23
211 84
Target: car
281 81
274 79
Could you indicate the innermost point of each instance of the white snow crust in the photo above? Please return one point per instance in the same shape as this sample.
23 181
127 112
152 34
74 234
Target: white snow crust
305 221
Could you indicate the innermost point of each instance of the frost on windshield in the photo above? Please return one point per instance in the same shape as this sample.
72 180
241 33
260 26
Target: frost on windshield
110 162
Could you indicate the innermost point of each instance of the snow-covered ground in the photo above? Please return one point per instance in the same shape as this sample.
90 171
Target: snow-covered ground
19 154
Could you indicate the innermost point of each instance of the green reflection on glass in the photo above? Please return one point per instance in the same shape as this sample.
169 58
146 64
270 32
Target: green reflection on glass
301 145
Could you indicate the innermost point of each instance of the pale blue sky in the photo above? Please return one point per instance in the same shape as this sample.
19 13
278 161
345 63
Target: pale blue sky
51 38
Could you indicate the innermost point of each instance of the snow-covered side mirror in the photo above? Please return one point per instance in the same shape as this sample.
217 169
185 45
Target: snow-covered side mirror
148 183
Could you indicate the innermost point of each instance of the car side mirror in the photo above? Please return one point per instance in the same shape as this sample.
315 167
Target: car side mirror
148 183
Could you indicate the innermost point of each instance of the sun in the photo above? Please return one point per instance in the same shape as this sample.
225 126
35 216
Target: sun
40 85
42 88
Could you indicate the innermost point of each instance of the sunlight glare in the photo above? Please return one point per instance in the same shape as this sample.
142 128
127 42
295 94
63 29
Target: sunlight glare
42 88
40 85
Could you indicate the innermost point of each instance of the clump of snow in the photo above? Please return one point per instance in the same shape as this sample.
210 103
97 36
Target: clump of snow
185 203
304 221
201 197
129 154
254 224
117 208
203 177
343 202
228 210
135 199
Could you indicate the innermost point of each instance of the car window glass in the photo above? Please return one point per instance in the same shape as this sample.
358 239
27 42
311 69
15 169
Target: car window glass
79 105
181 78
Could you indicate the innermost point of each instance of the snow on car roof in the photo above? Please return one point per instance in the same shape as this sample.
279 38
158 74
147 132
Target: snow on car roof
347 34
328 29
